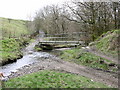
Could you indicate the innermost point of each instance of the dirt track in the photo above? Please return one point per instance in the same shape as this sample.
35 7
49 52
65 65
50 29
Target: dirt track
54 63
98 53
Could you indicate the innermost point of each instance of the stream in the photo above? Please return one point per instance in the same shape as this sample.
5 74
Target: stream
35 61
26 60
29 57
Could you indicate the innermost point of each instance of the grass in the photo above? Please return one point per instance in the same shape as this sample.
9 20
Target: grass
12 38
13 28
11 49
52 79
78 56
108 43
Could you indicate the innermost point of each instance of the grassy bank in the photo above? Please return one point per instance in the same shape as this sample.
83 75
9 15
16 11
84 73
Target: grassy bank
12 39
51 79
108 43
11 49
78 56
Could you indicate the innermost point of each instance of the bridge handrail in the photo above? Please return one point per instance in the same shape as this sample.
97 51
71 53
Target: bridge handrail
67 33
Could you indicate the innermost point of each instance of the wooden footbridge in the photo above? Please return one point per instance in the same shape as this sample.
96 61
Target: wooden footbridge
64 38
62 42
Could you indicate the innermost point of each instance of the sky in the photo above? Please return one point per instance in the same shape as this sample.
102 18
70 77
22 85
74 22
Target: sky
24 9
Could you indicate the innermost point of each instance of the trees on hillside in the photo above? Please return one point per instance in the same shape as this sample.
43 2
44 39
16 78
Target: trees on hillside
91 17
51 19
116 14
96 17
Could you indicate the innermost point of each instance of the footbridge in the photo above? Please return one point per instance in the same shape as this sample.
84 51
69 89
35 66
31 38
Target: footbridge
75 38
63 42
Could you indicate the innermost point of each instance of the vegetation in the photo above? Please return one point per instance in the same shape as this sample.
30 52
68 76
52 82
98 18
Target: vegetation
51 79
108 43
78 56
10 49
94 18
12 39
37 48
11 28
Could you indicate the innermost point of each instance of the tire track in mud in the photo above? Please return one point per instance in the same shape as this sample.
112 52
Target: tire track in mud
98 53
54 63
57 64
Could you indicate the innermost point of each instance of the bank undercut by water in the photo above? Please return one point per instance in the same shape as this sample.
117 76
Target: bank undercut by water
10 49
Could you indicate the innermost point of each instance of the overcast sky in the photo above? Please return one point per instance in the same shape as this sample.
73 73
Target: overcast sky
23 9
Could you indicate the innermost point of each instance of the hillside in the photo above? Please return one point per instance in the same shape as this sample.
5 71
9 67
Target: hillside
12 39
100 54
107 43
12 27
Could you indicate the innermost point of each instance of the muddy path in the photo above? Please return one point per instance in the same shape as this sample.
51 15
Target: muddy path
98 53
54 63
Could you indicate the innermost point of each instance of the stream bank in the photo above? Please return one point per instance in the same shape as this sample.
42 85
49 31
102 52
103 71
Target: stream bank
54 63
26 59
38 61
11 49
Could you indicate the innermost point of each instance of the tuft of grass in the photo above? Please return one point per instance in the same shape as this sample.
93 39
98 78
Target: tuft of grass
52 79
78 56
38 49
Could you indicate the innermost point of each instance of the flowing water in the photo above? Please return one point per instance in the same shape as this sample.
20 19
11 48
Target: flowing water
29 57
26 60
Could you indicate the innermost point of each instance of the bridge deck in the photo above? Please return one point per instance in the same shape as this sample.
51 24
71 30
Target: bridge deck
62 42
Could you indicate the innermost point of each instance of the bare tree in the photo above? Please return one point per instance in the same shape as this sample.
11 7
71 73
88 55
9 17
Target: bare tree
51 20
94 18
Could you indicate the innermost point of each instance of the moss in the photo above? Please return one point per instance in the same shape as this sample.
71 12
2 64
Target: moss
38 49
